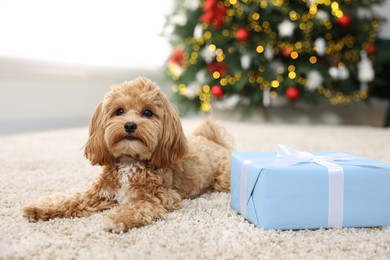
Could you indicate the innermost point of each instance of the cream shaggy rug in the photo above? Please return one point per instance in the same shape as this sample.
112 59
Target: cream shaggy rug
37 164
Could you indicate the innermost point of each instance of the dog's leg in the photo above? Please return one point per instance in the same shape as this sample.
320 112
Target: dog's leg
98 197
140 212
222 176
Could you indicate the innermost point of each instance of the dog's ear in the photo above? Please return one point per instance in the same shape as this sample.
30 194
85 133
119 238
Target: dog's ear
95 149
173 144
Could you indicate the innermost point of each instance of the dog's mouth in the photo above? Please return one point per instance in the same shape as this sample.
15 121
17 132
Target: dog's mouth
132 138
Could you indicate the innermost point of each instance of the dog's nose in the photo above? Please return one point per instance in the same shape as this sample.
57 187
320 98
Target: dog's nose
130 127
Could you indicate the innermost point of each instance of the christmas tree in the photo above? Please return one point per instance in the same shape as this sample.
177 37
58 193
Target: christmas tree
256 53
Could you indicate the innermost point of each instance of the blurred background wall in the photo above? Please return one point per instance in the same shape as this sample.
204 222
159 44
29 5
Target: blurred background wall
58 58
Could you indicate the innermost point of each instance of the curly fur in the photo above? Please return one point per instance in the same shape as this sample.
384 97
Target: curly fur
147 171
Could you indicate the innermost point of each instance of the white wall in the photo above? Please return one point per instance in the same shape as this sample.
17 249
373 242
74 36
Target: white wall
384 10
58 58
94 32
36 95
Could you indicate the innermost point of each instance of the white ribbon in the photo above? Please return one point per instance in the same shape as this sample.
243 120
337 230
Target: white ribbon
289 156
244 176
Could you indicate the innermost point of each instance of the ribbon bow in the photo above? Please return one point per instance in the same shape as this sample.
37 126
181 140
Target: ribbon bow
288 156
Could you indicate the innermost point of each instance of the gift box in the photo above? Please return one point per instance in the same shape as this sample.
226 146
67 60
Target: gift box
290 189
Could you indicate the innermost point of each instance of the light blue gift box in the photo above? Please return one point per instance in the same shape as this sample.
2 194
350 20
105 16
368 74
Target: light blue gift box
298 197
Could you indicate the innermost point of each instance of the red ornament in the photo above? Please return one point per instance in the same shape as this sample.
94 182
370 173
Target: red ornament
242 34
217 66
292 93
177 58
217 91
371 49
344 21
286 52
214 13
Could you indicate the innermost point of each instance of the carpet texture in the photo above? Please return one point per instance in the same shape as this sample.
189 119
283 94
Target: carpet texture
38 164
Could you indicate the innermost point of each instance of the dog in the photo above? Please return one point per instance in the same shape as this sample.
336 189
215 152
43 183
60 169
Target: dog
148 164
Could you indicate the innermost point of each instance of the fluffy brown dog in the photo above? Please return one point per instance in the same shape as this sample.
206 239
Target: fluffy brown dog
148 163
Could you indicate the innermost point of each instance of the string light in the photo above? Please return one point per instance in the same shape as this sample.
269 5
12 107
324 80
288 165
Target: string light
259 48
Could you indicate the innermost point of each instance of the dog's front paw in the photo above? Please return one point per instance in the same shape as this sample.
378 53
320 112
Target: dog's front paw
134 215
112 225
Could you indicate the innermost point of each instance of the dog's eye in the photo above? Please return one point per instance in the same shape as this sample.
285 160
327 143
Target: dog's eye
147 113
119 111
